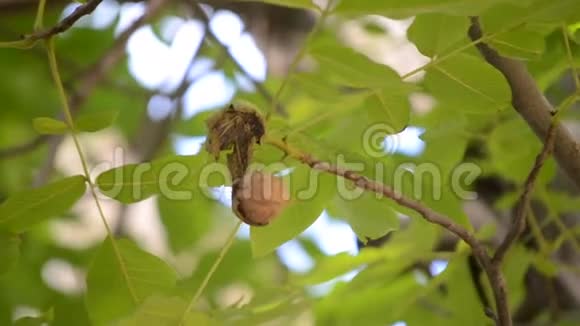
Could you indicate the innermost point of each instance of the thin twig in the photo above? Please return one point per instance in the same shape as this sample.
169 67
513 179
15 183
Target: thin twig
221 255
493 273
38 21
68 115
531 104
536 231
374 186
519 220
570 58
92 188
67 22
88 80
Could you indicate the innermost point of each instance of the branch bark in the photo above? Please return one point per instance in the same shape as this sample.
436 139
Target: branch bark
531 104
90 78
519 221
67 22
493 271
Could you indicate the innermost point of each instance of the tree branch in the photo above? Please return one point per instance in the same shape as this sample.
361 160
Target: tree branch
493 272
67 22
531 104
519 220
91 77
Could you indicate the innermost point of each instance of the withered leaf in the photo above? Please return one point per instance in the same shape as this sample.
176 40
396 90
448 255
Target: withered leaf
235 128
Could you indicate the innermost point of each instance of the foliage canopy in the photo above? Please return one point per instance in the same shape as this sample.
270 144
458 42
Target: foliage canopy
329 114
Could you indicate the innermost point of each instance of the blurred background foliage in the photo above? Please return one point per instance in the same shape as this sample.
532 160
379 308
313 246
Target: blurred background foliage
146 98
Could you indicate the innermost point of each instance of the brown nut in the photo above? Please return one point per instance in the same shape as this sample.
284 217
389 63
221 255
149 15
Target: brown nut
259 197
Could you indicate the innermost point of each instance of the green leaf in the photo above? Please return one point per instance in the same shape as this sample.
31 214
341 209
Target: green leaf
561 202
317 87
553 62
370 217
70 310
23 210
545 266
391 111
354 69
268 306
310 193
131 108
574 32
269 156
515 268
95 121
196 125
95 42
523 41
461 306
121 277
520 44
554 12
381 114
166 311
186 221
171 176
462 299
30 321
238 259
25 93
271 305
304 4
445 144
468 84
433 34
330 267
9 251
49 126
129 183
513 160
368 303
400 9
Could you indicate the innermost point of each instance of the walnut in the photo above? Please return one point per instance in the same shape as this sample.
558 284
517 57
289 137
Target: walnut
259 197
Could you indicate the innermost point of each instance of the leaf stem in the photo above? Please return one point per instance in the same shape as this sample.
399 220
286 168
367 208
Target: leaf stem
438 60
225 248
38 21
537 231
70 122
570 58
